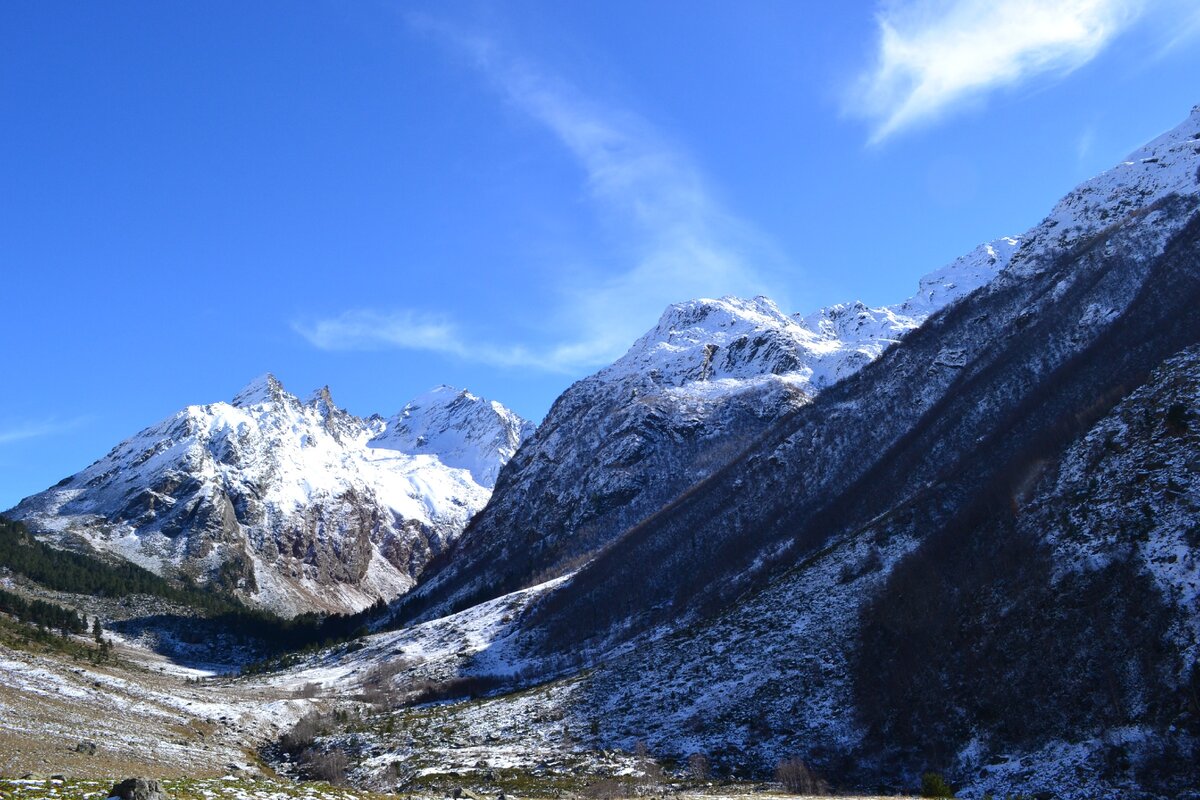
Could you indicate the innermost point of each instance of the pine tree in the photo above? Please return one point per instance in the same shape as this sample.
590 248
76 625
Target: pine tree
97 631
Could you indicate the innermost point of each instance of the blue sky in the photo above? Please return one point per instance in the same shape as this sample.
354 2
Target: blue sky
384 197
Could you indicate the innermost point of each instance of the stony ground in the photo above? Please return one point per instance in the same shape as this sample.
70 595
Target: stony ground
231 788
211 736
135 714
228 788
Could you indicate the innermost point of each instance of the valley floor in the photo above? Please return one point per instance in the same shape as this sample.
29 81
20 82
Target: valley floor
136 715
72 728
231 788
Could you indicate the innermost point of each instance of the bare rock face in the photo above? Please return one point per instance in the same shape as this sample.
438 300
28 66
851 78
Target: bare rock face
294 506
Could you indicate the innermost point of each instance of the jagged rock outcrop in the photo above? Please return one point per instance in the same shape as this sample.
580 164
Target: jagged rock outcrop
294 506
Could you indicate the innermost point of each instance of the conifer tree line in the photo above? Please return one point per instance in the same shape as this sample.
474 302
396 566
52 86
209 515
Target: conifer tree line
42 613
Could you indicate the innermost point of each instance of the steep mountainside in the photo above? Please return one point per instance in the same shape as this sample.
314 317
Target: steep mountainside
976 555
689 396
295 506
1049 647
969 556
1070 327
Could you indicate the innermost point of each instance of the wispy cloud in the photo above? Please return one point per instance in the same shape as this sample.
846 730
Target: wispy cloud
684 244
934 55
1085 143
1178 24
35 430
364 330
368 329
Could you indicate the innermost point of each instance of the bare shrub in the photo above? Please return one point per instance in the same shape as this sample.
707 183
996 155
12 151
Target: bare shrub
308 691
797 778
652 771
329 766
302 734
382 673
464 686
383 698
698 767
378 685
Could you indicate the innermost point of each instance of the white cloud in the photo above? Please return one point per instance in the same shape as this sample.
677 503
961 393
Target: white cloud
683 243
366 329
36 430
934 55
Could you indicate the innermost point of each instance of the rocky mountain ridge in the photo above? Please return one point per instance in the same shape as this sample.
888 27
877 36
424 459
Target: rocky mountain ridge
709 377
976 554
294 506
693 392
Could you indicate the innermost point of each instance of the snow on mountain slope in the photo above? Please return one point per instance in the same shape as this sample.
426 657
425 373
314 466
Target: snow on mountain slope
462 430
1165 166
731 338
1054 305
1152 440
706 340
687 397
774 676
294 505
855 334
1020 592
713 375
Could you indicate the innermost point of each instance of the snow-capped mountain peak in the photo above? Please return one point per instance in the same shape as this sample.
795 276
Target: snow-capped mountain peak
856 333
322 400
264 389
728 311
286 503
706 340
960 277
341 424
461 429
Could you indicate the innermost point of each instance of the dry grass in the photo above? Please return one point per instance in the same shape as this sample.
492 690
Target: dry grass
183 789
141 721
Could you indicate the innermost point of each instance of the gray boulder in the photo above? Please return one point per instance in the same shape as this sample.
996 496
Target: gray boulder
137 789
